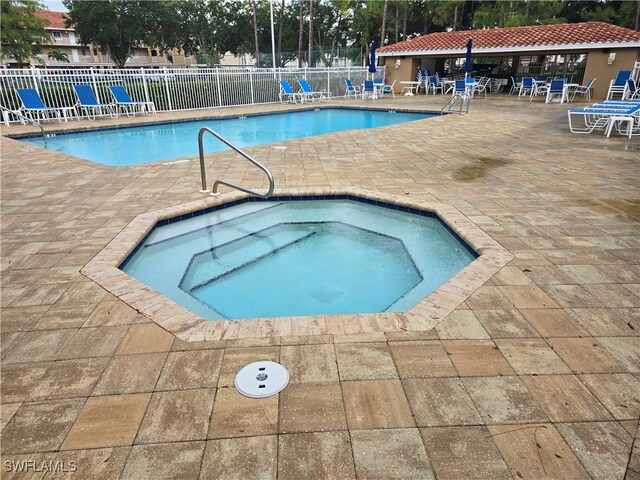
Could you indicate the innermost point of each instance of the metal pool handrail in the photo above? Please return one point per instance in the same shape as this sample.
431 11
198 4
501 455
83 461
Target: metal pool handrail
23 117
214 190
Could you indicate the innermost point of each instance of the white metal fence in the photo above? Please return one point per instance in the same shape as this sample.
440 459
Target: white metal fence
174 89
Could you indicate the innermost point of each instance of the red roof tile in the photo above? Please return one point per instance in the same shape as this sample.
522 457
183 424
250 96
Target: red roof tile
500 38
56 19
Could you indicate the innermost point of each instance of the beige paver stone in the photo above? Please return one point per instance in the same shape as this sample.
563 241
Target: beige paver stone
602 447
145 338
359 361
99 463
461 325
38 295
440 402
235 415
565 399
613 296
503 400
488 298
108 421
421 359
507 323
21 319
536 451
531 356
236 358
93 342
583 274
608 322
40 427
390 454
511 275
476 358
166 460
16 468
35 346
527 296
177 416
113 312
371 404
7 410
196 369
585 355
18 380
310 363
310 407
131 374
252 458
618 392
322 455
571 296
553 323
464 452
69 379
625 349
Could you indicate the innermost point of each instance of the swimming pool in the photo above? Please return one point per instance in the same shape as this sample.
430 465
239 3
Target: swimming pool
151 143
296 257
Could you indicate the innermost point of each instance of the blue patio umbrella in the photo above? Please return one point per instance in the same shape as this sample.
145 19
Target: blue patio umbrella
372 61
467 62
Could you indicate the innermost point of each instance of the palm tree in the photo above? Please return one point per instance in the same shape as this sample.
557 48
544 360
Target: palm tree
384 24
310 31
300 32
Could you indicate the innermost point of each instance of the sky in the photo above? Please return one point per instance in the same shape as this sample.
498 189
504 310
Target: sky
54 5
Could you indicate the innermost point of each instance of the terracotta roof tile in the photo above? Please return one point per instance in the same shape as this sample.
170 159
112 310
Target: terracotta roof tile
56 19
539 35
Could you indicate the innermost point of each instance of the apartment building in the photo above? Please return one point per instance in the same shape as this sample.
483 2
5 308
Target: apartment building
66 41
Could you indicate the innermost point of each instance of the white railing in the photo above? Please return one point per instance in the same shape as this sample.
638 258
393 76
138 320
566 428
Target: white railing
173 89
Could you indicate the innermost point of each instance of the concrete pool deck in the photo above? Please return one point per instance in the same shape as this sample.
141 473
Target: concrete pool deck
536 374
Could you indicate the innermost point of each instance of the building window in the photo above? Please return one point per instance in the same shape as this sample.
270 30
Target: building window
154 53
85 52
57 35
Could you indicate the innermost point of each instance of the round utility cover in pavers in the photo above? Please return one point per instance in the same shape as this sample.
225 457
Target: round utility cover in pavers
261 379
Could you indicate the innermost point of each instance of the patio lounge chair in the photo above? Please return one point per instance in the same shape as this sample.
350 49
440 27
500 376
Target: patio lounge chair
618 85
557 87
605 116
88 103
632 91
351 89
34 108
125 104
582 90
306 92
287 93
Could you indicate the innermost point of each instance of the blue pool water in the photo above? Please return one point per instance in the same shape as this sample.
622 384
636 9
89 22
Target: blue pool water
134 145
306 257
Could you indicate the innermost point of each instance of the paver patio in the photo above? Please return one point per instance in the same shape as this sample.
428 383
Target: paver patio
536 375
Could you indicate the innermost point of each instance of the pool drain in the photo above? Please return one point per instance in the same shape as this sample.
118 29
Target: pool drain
261 379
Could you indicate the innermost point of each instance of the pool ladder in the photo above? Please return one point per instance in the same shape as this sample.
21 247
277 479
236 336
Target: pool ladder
463 98
214 190
23 119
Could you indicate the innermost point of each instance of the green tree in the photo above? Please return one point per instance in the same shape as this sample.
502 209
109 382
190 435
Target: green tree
113 27
58 55
22 33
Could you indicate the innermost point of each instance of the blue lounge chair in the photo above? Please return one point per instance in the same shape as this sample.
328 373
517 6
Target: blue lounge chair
307 93
88 103
618 85
606 115
124 103
34 108
351 89
287 93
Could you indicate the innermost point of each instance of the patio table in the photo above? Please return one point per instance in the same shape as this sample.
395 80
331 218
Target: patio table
409 88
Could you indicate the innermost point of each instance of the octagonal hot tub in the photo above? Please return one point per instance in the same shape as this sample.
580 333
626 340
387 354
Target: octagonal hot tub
325 259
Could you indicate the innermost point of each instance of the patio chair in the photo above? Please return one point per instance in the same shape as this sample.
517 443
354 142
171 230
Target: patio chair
618 85
515 86
287 92
33 106
89 104
351 89
482 86
557 87
306 92
434 84
605 116
422 79
582 90
369 90
632 91
388 89
124 103
527 87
